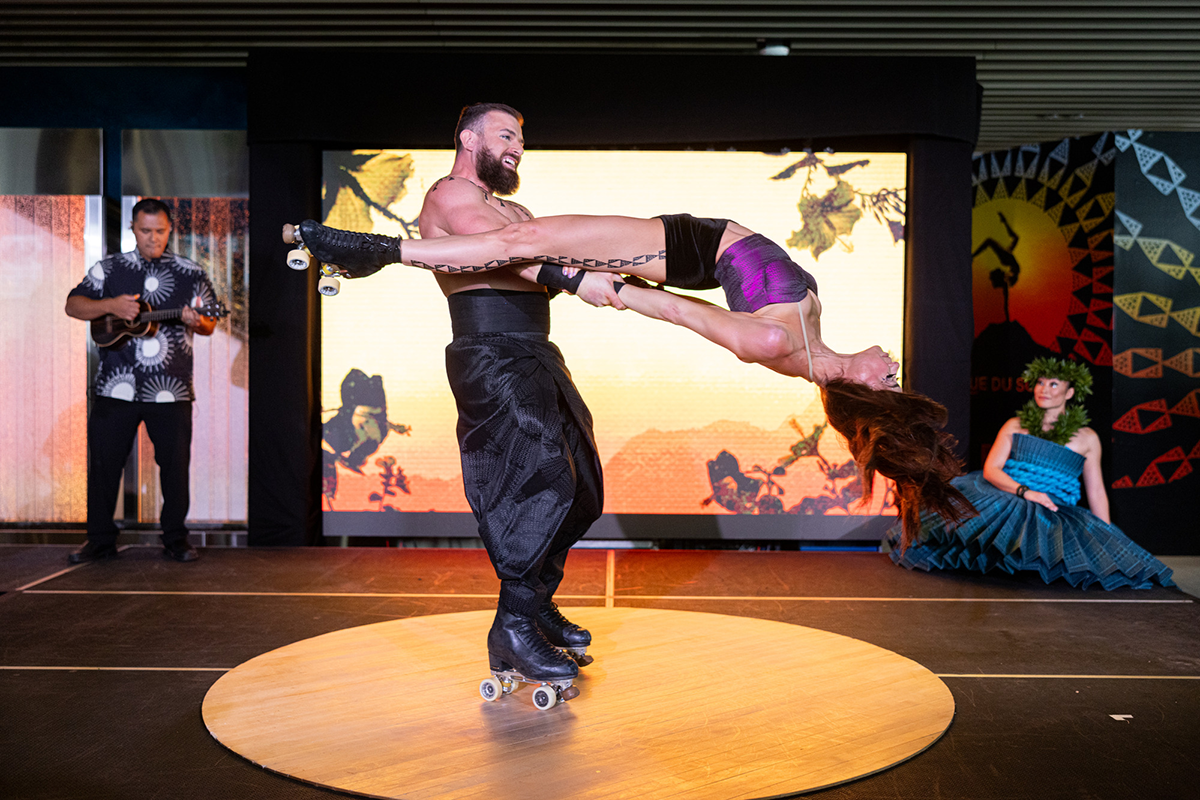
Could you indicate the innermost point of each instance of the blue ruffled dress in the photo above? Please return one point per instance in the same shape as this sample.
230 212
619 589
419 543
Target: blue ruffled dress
1012 533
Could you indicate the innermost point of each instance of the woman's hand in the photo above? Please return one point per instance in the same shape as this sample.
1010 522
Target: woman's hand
1041 498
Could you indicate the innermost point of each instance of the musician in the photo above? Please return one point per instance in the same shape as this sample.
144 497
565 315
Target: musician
145 378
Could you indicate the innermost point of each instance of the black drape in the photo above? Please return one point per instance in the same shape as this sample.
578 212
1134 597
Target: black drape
285 414
939 320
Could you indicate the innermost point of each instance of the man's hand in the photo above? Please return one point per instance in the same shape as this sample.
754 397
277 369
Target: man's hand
125 306
597 289
197 324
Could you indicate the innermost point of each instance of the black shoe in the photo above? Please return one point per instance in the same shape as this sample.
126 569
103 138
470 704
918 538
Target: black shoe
563 633
92 552
516 644
180 551
559 630
357 254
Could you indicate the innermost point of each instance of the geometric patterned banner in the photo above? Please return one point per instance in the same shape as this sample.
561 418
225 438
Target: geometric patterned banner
1155 309
1148 159
1153 415
1167 468
1156 395
1147 362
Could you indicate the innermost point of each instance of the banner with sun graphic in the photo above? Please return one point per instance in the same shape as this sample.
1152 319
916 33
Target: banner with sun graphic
682 426
1042 280
1156 399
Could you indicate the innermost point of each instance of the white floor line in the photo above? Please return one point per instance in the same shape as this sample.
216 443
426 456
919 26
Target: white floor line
63 571
609 597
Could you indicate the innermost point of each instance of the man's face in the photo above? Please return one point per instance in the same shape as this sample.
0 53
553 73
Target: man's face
151 232
498 152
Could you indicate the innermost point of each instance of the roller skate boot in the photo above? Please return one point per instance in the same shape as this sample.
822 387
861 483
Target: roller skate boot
356 255
564 634
518 652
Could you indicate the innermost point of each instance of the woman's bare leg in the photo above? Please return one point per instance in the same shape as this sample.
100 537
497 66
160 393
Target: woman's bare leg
627 245
618 244
758 340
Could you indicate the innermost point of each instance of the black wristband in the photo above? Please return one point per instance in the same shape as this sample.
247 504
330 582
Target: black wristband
552 275
1021 490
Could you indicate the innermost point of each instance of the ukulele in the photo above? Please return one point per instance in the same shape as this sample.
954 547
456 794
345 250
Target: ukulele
110 330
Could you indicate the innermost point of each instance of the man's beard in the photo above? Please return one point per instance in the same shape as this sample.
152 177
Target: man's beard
498 178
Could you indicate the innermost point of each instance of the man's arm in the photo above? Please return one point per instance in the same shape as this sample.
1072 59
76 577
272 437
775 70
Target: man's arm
125 306
457 206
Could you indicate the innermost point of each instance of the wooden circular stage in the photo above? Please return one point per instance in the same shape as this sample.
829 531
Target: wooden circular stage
677 704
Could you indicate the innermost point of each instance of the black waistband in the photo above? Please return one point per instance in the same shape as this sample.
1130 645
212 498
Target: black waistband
499 311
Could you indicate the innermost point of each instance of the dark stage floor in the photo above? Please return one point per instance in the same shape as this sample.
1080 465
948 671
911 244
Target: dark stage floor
1060 693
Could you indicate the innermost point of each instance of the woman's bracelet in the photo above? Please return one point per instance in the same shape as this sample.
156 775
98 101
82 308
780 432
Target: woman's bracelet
1021 490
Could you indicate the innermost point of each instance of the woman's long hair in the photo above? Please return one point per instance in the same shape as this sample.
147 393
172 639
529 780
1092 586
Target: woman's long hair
900 436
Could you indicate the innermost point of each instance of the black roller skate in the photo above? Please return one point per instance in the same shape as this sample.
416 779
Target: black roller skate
518 652
345 253
564 634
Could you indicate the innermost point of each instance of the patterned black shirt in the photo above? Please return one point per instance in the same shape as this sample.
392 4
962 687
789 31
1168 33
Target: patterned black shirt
158 368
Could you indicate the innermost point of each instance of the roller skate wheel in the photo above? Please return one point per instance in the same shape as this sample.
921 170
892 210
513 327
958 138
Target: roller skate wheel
298 259
544 698
329 286
490 689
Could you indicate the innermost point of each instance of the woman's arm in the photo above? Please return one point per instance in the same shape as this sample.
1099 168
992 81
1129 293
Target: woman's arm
993 467
1093 480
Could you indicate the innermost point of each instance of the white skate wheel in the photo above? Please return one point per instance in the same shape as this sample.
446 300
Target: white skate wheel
298 259
329 286
490 689
544 698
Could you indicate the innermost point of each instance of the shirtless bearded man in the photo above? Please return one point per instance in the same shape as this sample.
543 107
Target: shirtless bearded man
530 467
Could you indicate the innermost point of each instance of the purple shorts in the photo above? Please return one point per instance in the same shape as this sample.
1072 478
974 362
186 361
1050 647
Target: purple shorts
756 272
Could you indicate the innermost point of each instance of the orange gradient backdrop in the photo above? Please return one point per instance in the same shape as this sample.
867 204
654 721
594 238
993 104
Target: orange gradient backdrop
665 401
1040 297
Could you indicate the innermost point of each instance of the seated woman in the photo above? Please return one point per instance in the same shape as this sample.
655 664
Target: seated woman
773 319
1026 497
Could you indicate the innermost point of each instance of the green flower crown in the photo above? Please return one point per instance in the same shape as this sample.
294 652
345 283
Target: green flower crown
1063 369
1073 417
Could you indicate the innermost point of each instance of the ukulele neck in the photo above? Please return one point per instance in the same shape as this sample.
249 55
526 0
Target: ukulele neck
164 314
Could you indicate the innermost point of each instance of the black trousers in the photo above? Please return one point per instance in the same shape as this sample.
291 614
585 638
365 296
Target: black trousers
531 472
112 428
